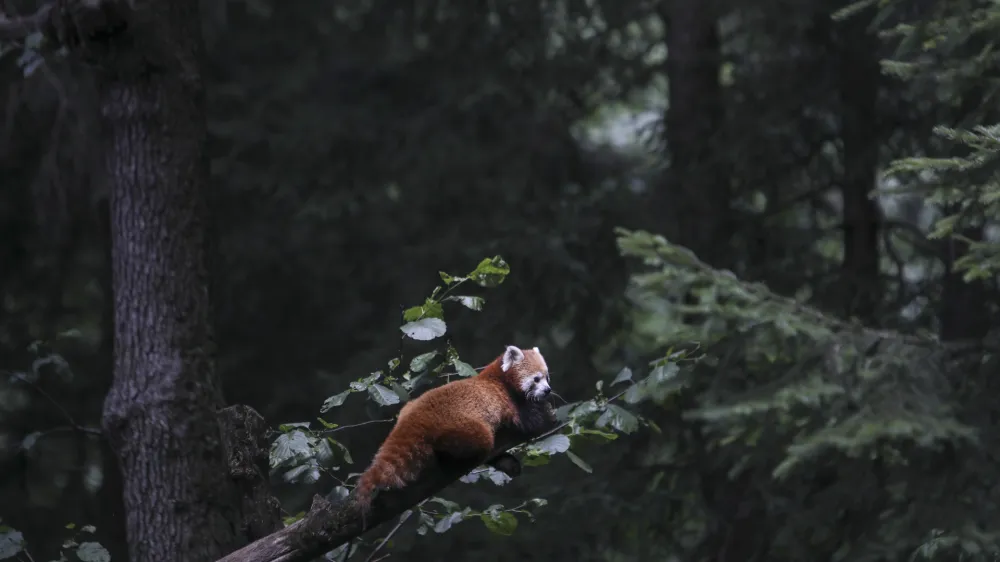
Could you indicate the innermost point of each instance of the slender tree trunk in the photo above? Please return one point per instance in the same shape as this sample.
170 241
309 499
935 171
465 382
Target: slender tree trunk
859 77
692 205
160 414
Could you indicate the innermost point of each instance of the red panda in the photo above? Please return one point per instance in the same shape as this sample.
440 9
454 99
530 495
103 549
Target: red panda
461 420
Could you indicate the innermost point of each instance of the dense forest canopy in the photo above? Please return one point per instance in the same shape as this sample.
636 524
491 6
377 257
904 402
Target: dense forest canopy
756 242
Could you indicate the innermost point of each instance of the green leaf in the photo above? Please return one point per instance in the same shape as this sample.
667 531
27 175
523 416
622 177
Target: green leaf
400 391
595 435
71 526
383 395
11 543
535 460
579 462
448 505
288 447
624 375
420 363
553 444
447 521
619 418
449 279
501 523
472 303
295 425
425 329
302 474
92 552
326 424
334 401
490 272
430 309
343 450
463 368
584 409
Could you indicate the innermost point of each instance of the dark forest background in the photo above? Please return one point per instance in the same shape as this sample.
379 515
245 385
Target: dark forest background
835 178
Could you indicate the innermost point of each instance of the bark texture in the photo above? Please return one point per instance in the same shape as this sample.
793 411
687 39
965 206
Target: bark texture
160 414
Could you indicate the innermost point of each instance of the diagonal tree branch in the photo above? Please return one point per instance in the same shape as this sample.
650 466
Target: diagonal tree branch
328 525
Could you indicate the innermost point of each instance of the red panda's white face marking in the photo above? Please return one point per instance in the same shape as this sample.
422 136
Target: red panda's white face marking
529 370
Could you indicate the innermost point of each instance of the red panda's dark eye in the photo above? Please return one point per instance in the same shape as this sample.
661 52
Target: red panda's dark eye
538 378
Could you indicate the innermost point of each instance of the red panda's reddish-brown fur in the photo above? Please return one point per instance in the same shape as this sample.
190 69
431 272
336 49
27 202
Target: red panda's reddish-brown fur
461 419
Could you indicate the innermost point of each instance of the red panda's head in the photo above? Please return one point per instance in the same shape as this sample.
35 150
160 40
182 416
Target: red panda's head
527 372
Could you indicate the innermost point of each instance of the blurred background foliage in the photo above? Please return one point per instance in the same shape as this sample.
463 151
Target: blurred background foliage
842 405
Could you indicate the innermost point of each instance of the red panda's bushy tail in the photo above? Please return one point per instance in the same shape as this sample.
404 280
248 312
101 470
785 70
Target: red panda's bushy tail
397 463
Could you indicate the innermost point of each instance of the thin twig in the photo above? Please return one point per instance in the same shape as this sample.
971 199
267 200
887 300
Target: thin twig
338 428
55 403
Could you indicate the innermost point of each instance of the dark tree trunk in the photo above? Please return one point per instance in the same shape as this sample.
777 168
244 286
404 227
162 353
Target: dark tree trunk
160 414
692 205
859 77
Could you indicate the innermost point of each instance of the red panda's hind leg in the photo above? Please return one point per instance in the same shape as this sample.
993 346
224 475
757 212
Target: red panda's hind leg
469 439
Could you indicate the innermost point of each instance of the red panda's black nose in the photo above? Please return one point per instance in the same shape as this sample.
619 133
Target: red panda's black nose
547 390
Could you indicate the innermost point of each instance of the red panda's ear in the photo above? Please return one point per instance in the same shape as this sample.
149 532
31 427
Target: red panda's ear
512 355
535 349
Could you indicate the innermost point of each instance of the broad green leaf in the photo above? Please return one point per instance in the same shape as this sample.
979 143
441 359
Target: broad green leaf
334 401
472 303
579 462
11 543
343 450
400 391
618 418
538 459
288 447
595 435
425 329
553 444
383 395
303 474
447 521
584 409
449 279
323 452
92 552
420 363
430 309
463 368
562 412
448 505
502 523
624 375
490 272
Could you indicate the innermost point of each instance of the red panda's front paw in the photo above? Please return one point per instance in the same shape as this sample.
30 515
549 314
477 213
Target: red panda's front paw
507 464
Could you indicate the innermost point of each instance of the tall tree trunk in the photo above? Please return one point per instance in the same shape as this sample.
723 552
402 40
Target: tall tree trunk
859 77
160 414
692 204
